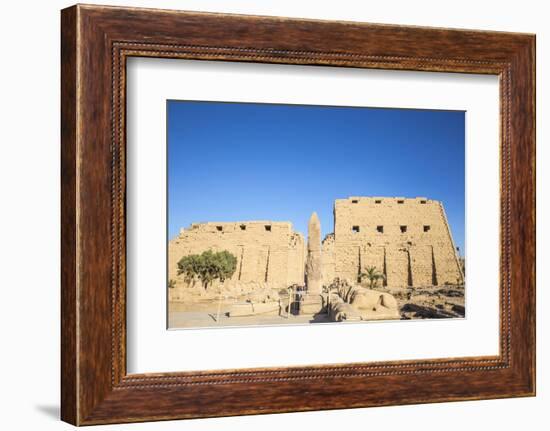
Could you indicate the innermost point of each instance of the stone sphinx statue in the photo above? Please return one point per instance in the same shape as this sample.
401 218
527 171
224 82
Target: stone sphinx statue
265 301
373 305
340 311
352 303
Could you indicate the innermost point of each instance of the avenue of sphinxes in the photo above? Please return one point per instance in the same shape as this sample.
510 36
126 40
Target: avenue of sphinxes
408 242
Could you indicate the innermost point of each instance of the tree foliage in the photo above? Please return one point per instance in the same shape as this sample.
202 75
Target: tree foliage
208 266
373 275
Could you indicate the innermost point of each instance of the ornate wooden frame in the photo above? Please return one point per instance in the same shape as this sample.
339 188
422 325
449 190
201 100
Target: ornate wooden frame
95 43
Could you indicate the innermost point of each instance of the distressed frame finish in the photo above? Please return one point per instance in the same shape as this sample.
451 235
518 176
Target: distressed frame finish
96 41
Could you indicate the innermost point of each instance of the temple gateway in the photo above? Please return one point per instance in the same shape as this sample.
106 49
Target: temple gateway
407 240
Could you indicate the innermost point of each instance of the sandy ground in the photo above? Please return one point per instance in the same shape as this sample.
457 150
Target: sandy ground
433 302
205 319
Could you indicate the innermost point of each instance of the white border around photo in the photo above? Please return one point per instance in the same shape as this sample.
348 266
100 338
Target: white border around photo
153 348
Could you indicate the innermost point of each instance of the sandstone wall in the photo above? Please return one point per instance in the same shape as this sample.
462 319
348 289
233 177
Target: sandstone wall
327 259
409 240
269 254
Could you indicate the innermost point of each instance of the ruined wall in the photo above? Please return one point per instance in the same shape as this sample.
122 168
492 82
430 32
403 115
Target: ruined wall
269 254
327 259
409 240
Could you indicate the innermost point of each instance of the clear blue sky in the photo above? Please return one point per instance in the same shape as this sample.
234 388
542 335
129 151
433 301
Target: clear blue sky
247 161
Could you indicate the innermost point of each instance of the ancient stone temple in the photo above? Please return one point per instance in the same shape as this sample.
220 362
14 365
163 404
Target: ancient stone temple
408 240
268 253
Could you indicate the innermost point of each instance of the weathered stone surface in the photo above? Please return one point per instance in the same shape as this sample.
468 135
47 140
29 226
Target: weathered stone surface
327 259
312 304
408 240
358 303
313 268
430 302
373 305
340 311
269 255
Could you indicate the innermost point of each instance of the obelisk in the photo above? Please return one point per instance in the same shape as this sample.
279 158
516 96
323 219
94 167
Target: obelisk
313 266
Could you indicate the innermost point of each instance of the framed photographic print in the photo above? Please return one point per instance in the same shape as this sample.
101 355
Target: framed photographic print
325 214
268 271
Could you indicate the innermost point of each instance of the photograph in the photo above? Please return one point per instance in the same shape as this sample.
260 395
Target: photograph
302 214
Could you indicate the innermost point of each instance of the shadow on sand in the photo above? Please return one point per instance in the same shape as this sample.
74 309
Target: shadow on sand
320 318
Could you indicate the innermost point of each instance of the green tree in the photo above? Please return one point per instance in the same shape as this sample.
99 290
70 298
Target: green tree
208 266
373 275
